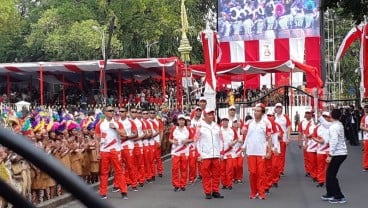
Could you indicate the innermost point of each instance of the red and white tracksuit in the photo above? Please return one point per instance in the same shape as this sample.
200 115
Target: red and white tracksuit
229 139
192 158
238 163
273 165
127 154
110 148
209 145
158 126
311 151
179 155
305 128
148 151
322 151
138 158
284 121
364 123
255 144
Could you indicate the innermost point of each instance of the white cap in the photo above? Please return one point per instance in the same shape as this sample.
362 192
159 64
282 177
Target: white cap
270 113
278 105
209 110
202 98
187 118
232 107
325 113
181 116
225 117
197 107
308 109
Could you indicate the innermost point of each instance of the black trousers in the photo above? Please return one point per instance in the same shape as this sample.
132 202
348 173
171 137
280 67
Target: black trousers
332 184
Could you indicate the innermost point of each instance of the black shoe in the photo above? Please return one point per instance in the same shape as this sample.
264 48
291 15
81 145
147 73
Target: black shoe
141 184
224 187
149 181
153 178
176 189
230 187
115 189
236 181
307 175
282 174
160 175
315 180
267 191
327 198
124 195
276 185
319 185
217 195
103 197
208 196
183 188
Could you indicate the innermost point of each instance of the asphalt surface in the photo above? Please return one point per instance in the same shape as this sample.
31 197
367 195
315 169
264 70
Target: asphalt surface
294 191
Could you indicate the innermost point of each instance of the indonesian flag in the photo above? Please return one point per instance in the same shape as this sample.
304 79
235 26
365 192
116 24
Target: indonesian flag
212 55
353 35
364 59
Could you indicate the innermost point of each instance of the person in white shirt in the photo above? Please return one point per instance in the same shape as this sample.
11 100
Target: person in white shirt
321 135
109 132
209 145
305 128
238 154
337 155
180 138
284 121
257 146
229 138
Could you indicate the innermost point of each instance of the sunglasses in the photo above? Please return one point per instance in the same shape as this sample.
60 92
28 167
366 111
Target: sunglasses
152 113
232 109
133 111
199 110
123 111
145 113
139 112
110 111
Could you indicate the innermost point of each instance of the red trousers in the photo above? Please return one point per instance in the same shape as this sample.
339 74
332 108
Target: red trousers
227 172
365 154
312 164
256 168
282 156
276 168
159 168
238 168
179 170
210 175
148 162
321 168
130 170
138 161
268 173
114 158
192 165
305 161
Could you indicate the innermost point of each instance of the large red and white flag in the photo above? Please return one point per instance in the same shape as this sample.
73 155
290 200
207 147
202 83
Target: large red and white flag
212 55
354 34
364 59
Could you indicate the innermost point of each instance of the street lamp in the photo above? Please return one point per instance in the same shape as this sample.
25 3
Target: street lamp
149 45
103 46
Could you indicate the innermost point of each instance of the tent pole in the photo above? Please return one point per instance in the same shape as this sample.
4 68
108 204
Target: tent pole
41 84
292 102
81 75
119 88
63 85
8 85
163 83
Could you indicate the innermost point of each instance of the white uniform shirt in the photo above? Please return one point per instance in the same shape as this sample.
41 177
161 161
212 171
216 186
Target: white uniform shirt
284 121
127 123
364 122
110 139
179 135
256 137
228 137
323 133
208 139
139 125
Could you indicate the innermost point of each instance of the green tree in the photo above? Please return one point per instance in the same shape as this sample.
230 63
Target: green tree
355 9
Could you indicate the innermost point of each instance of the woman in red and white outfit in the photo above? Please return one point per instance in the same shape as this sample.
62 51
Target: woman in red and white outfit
192 159
321 135
229 139
179 138
257 146
238 154
364 128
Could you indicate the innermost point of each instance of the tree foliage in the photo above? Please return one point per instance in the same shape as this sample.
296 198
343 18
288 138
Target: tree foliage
354 9
50 30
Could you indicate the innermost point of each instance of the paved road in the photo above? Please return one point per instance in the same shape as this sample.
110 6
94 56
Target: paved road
295 190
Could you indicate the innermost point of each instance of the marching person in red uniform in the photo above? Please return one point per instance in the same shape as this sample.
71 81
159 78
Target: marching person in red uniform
284 121
158 127
321 135
180 138
257 146
138 146
364 128
127 149
238 155
192 158
209 145
109 133
194 164
305 128
147 150
229 139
